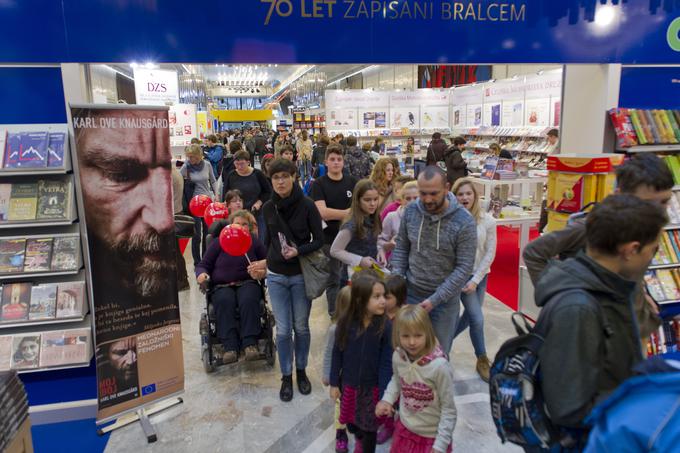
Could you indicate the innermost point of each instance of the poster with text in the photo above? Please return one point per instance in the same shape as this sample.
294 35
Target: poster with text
537 112
434 117
183 125
123 163
405 117
513 113
458 113
474 115
372 119
342 119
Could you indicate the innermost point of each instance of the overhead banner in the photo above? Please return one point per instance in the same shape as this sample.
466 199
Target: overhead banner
123 162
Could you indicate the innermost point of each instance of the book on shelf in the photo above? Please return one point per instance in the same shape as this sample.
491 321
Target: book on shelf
5 196
23 201
55 150
674 165
54 198
673 208
25 351
70 299
12 255
65 253
16 298
666 339
3 141
38 254
43 301
663 285
490 166
5 352
52 349
645 126
75 346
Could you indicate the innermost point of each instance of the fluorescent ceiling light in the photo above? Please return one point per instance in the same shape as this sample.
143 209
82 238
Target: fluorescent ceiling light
351 75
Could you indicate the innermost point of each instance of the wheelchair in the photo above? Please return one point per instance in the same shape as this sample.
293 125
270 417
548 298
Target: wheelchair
211 346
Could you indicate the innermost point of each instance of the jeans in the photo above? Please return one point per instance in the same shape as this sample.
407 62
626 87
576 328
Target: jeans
245 298
198 239
291 312
473 317
336 279
444 318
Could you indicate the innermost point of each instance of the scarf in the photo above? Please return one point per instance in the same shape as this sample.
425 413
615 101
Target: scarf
196 168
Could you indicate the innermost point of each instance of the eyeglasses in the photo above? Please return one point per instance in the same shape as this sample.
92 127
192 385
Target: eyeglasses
280 177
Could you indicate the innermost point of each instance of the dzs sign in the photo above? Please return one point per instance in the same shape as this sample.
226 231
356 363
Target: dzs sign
156 87
673 34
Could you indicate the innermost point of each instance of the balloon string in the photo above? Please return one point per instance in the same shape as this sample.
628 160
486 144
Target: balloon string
246 255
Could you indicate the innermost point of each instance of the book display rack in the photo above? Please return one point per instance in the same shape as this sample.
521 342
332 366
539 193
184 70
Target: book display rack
44 310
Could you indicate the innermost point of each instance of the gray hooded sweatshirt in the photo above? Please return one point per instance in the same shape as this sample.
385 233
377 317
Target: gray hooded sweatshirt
436 252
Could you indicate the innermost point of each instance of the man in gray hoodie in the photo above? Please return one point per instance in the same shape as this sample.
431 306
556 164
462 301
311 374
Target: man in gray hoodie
435 251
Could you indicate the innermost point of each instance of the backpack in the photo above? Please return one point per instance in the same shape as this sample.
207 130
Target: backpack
517 403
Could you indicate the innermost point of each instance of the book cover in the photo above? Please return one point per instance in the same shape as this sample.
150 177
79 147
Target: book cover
55 150
668 127
53 199
70 296
33 150
654 287
52 350
670 289
670 251
5 352
43 301
65 253
637 126
75 346
15 301
5 195
26 351
671 240
12 149
652 125
569 192
23 201
3 141
660 126
38 254
671 124
489 169
496 115
645 126
628 128
661 255
12 255
674 166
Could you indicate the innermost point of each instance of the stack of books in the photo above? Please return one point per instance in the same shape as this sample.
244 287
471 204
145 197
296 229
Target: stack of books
666 339
39 254
645 127
13 407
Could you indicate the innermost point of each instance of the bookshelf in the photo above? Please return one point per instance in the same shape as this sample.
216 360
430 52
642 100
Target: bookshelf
650 149
43 300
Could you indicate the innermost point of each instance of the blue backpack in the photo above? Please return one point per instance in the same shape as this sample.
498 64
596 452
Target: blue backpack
517 403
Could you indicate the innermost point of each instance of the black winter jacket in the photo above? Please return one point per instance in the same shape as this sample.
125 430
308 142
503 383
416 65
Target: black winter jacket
588 351
296 216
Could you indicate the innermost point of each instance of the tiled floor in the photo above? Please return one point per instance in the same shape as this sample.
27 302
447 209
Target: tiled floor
237 409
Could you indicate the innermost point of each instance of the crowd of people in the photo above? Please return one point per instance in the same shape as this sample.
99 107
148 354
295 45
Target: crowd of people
405 257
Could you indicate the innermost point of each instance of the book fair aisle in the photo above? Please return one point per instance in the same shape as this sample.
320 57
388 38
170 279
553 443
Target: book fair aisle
131 320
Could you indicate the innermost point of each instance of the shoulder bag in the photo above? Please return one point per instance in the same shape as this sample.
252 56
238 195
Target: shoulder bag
315 266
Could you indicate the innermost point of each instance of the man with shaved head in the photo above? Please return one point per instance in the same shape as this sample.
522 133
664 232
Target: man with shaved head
435 251
124 165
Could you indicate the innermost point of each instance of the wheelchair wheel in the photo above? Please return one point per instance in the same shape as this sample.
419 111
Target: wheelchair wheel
207 364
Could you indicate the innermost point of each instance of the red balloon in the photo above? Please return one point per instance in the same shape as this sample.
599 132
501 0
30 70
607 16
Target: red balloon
215 211
198 204
235 241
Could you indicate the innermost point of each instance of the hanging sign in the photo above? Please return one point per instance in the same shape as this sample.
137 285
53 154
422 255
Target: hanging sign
123 162
156 87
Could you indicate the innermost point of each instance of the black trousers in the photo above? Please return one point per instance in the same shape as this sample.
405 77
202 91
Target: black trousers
244 330
198 240
368 439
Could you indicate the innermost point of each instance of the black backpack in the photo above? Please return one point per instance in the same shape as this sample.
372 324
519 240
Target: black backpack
517 403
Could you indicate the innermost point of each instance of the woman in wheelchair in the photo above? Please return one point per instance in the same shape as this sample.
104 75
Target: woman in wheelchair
236 290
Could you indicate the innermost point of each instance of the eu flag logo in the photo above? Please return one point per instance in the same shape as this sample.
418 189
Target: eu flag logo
148 389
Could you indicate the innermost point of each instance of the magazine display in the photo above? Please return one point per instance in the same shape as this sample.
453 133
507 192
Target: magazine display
70 297
51 348
65 253
43 301
38 254
53 199
16 299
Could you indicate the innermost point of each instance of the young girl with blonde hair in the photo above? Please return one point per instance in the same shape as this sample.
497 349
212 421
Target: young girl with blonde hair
422 381
385 171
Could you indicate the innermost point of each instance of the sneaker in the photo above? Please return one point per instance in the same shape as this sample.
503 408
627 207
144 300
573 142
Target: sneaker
252 353
286 392
229 357
483 367
341 445
385 431
304 386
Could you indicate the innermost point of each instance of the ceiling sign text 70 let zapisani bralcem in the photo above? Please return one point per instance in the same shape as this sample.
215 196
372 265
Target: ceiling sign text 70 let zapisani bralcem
396 10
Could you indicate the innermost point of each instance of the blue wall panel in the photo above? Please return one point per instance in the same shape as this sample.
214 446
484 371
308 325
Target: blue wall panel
650 88
31 96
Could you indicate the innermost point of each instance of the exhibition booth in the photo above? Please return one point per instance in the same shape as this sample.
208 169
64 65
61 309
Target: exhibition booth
65 288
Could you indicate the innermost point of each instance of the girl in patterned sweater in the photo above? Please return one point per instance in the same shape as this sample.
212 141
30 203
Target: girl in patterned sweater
422 380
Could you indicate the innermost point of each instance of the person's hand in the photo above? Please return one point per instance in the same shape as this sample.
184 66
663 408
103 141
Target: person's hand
470 288
256 207
290 253
367 262
652 305
335 393
257 266
325 382
389 246
202 278
382 260
427 305
257 274
384 409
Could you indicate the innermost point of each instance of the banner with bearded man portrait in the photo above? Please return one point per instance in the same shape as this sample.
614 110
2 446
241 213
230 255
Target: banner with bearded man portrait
123 163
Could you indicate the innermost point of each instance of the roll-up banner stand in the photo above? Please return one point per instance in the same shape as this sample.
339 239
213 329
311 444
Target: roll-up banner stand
123 163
